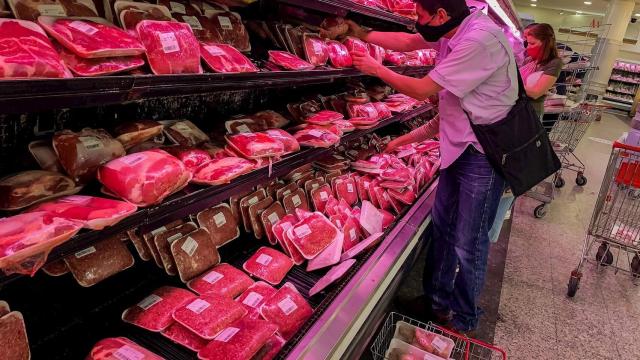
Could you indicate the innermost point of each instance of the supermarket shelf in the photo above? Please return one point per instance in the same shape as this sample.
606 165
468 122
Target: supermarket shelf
621 92
618 105
626 71
20 96
343 7
618 101
625 81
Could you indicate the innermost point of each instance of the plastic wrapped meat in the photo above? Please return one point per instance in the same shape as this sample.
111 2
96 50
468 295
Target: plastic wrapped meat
192 158
180 7
171 47
118 349
253 298
345 189
222 225
254 211
288 141
162 242
334 27
207 315
144 178
333 275
194 254
239 341
295 201
363 111
324 117
100 261
226 59
280 227
315 49
287 309
339 54
383 110
95 213
246 202
14 344
316 138
351 231
406 197
355 45
185 133
370 218
387 218
26 52
383 197
288 61
185 337
291 249
82 153
329 256
320 197
132 16
365 244
154 312
30 187
269 265
313 234
223 279
136 132
270 217
395 58
26 239
433 343
99 66
271 349
229 29
256 145
222 171
376 52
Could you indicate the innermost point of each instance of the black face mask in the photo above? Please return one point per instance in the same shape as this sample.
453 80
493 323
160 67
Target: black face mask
525 43
435 33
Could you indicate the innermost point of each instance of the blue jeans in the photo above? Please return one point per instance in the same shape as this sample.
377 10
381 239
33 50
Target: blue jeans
465 208
506 201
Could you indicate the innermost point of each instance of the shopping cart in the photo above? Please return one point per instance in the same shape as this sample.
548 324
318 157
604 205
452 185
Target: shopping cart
615 223
465 348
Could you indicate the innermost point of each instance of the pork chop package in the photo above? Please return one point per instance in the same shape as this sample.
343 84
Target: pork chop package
315 49
171 47
230 30
316 137
269 218
94 212
185 337
253 298
269 265
223 279
145 178
186 133
226 59
333 275
100 261
82 153
288 61
239 341
163 240
136 132
120 348
255 145
194 254
24 189
14 343
27 52
222 171
221 224
288 141
98 66
154 312
287 309
313 234
339 54
207 315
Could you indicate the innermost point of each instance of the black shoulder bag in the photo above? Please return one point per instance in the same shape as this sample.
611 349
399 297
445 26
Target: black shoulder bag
518 146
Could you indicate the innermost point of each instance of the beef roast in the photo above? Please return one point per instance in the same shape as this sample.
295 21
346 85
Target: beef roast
339 54
171 47
230 30
256 145
315 49
136 132
222 171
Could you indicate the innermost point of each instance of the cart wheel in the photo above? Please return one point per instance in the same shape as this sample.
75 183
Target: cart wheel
560 183
635 266
572 287
540 211
604 256
581 180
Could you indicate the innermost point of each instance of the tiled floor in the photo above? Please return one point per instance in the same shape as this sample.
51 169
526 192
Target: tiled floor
537 320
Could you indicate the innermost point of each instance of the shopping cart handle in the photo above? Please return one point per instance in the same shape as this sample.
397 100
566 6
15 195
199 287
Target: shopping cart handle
619 145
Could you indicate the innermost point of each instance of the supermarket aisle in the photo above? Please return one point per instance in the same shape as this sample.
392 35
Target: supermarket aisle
537 320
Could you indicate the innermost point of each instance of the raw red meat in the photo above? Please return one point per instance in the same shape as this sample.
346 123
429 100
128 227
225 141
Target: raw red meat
376 52
331 208
320 196
207 315
290 143
230 30
329 256
270 119
316 137
221 224
339 54
355 45
324 117
289 61
362 184
271 349
287 309
99 66
365 244
387 218
345 126
226 59
256 145
239 341
363 111
95 213
383 110
222 171
280 227
223 279
293 251
132 16
253 298
13 335
351 231
136 132
395 58
345 189
144 178
269 265
171 47
26 52
313 234
154 312
433 343
398 175
332 276
30 187
315 50
91 38
384 201
185 337
406 197
190 157
120 348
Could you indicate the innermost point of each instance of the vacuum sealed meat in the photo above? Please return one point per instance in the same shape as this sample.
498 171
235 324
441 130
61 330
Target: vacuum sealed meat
194 254
82 153
239 341
171 47
398 175
376 52
383 197
324 117
313 234
269 218
271 349
100 261
185 337
295 200
316 137
223 279
230 30
131 16
99 66
339 54
256 145
286 190
345 189
406 196
208 314
255 211
362 246
180 7
351 231
222 171
315 49
280 227
320 197
192 158
163 241
269 265
94 212
355 45
185 133
287 309
145 178
329 256
333 275
138 242
247 201
30 187
118 349
221 224
14 344
154 312
288 141
226 59
367 111
395 58
288 61
253 298
136 132
270 119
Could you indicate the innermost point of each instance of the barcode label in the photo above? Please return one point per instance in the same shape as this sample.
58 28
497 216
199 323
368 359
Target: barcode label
198 306
219 219
51 10
174 237
85 252
338 157
286 192
149 301
316 133
178 8
352 234
273 218
253 200
132 160
315 186
159 230
190 246
212 277
253 299
169 42
350 188
128 353
287 306
90 142
302 230
439 344
225 23
339 223
226 334
286 226
264 259
242 128
193 22
216 51
83 27
296 200
324 195
385 195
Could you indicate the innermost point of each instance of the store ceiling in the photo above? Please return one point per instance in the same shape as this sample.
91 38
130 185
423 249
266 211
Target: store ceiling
597 7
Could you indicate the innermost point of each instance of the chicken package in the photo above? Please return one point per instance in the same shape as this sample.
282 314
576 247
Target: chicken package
194 254
269 218
14 344
376 52
313 234
222 171
208 314
333 275
154 313
339 54
223 279
185 337
230 30
226 59
239 341
246 202
24 189
329 256
136 132
192 158
288 61
345 189
355 45
118 349
145 178
255 211
186 133
171 47
320 197
269 265
362 246
98 66
316 137
324 117
315 49
221 224
295 200
94 212
271 348
288 141
163 241
253 298
287 309
256 145
100 261
82 153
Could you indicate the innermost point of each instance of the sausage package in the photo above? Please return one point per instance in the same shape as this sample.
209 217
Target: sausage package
221 224
163 243
223 279
100 261
194 254
154 312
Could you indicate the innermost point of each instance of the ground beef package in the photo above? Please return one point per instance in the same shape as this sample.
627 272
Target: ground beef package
287 309
255 211
270 349
270 217
223 279
194 254
207 315
253 298
221 223
140 245
269 265
163 243
120 348
185 337
286 190
154 312
313 234
14 344
311 185
247 201
295 200
100 261
239 341
234 204
149 240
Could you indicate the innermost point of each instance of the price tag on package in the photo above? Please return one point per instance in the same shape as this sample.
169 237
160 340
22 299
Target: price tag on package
51 10
169 42
225 23
193 22
84 27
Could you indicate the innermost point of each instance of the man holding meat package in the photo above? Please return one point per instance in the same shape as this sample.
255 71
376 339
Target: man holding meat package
475 77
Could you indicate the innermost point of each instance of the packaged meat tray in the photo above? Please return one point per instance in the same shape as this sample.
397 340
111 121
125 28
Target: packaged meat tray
154 312
209 314
295 200
286 190
339 54
221 224
94 212
99 66
271 348
234 203
269 265
253 298
255 211
287 309
31 10
223 279
163 241
150 237
313 234
376 52
42 151
256 145
370 218
180 7
194 254
316 138
222 171
186 133
100 261
329 256
355 45
290 249
192 158
315 49
366 111
24 189
136 132
320 197
145 178
333 275
247 201
185 337
352 234
118 349
134 14
171 47
289 61
311 185
239 341
5 309
269 218
141 247
324 117
345 189
13 337
428 341
226 59
362 246
290 143
230 30
280 227
54 268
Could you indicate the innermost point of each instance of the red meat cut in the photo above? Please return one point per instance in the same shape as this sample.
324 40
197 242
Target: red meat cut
207 315
288 61
395 58
26 52
398 175
185 337
291 249
290 143
370 218
120 348
351 231
223 279
363 111
171 47
316 137
383 110
287 309
222 171
406 197
95 213
315 50
339 54
190 157
376 52
329 256
133 133
226 59
313 234
132 16
100 66
230 30
320 196
344 125
271 349
345 189
324 117
154 312
280 227
355 45
269 265
253 298
239 341
255 145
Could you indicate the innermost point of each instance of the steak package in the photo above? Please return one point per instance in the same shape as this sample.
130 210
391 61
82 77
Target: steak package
345 189
24 189
288 141
288 310
313 234
154 312
82 153
339 54
221 224
230 30
186 133
376 52
94 212
118 349
14 343
185 337
207 315
333 275
223 279
194 254
247 201
100 261
288 61
99 66
269 218
171 47
256 145
226 59
269 265
163 241
280 227
316 137
136 132
239 341
315 49
253 298
355 45
222 171
255 211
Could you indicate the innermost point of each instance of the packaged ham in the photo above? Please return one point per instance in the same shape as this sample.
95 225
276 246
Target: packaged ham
185 337
253 298
163 241
54 268
255 211
223 279
194 254
100 261
239 341
287 309
14 344
208 314
315 49
154 313
99 66
24 189
339 54
362 246
221 224
120 348
320 197
256 145
313 234
136 132
288 61
376 52
226 59
247 201
333 275
222 171
269 265
95 213
230 30
271 348
288 141
270 217
295 200
171 47
185 133
316 138
145 178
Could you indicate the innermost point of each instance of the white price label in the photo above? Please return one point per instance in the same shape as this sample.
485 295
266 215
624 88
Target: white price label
317 47
132 160
324 196
242 128
287 306
85 252
264 259
128 353
177 7
174 237
338 157
439 344
296 200
302 231
51 10
226 334
385 195
316 133
253 200
90 142
190 246
219 219
215 51
253 299
286 226
159 230
169 42
315 186
273 218
212 277
225 23
193 22
149 301
366 185
83 27
350 188
198 306
181 127
352 234
339 223
286 192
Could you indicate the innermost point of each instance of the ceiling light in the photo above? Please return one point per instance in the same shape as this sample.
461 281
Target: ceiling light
636 15
587 2
534 0
578 12
534 5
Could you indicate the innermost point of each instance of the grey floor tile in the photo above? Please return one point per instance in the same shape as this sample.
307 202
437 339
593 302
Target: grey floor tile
529 347
528 309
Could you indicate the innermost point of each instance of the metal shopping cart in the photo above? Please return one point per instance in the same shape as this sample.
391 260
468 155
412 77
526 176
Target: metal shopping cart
615 223
464 349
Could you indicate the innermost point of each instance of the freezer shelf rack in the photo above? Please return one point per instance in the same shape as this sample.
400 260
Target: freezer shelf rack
343 7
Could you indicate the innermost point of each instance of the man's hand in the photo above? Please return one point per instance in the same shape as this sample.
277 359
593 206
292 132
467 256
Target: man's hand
366 64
